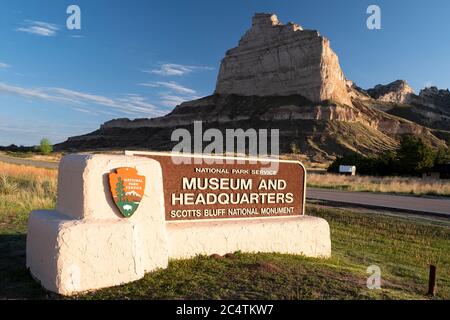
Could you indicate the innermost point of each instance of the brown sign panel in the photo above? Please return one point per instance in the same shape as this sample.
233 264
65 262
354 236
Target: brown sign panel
202 187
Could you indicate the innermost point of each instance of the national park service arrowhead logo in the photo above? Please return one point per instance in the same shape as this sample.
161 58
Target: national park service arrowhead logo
127 189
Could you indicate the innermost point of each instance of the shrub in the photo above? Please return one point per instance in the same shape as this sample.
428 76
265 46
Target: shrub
45 147
415 156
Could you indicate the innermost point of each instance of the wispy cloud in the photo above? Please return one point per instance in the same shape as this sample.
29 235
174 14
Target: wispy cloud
171 85
4 65
39 28
32 93
168 99
130 104
173 93
19 132
173 69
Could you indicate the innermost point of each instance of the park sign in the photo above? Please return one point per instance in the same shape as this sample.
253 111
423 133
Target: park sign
208 187
118 217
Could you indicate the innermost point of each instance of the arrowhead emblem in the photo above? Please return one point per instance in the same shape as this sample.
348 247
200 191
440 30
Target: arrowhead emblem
127 189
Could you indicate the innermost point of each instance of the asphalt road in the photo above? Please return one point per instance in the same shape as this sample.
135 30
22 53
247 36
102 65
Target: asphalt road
28 162
436 206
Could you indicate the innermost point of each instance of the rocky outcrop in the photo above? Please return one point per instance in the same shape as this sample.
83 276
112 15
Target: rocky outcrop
435 98
431 108
288 78
226 109
396 92
355 92
273 59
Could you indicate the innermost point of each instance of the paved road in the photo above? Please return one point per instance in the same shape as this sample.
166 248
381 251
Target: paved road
436 206
28 162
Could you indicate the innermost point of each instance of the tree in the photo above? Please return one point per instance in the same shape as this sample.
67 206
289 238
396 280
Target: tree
442 155
387 163
414 155
45 147
120 190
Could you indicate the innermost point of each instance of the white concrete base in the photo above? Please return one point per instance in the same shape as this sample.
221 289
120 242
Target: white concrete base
70 256
85 244
305 235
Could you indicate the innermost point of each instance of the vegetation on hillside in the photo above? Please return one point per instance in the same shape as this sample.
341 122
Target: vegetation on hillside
413 157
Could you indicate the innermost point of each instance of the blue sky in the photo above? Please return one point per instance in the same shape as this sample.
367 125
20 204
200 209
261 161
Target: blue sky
140 58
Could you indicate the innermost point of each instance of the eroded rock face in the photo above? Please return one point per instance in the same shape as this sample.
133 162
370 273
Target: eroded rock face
273 59
396 92
226 109
434 97
287 78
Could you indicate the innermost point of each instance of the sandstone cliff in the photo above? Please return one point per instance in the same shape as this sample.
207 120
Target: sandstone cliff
277 59
288 78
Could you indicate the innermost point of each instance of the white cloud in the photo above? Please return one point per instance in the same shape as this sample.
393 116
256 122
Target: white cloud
81 96
173 69
39 28
172 100
174 93
130 104
31 93
20 132
4 65
171 85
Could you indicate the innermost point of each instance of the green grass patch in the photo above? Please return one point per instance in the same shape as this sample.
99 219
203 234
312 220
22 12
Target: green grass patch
402 248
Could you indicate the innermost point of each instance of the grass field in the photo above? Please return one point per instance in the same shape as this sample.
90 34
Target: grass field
402 248
399 185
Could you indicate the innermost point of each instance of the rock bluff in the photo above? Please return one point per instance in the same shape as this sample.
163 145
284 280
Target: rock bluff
276 59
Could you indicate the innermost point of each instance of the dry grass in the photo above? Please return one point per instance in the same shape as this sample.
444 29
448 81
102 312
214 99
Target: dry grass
26 172
23 189
415 186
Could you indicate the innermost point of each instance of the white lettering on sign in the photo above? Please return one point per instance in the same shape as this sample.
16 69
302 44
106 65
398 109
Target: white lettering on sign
213 184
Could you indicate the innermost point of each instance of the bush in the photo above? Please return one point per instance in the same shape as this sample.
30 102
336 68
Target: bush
364 165
415 156
45 147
